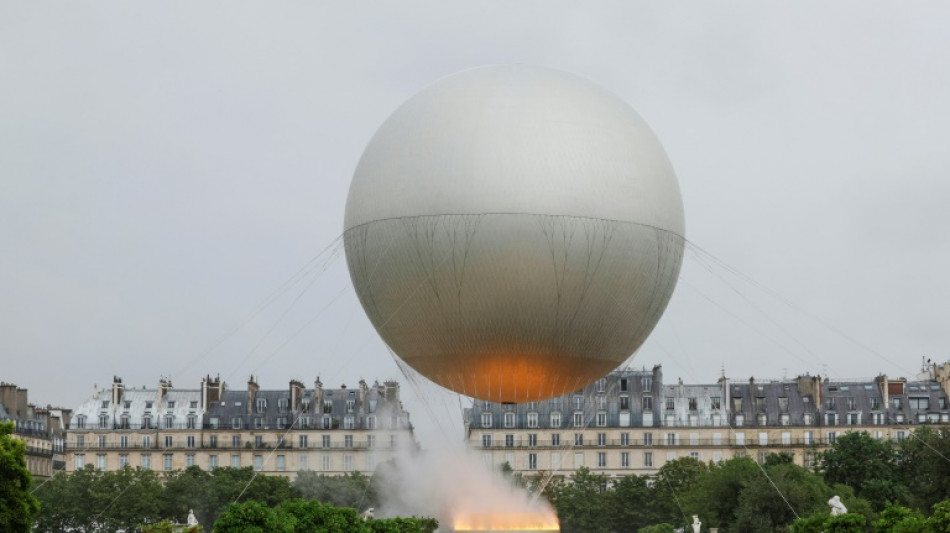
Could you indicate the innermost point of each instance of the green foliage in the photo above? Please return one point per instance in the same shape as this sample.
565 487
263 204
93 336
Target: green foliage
846 523
403 525
899 519
768 502
673 481
17 506
866 464
168 527
630 502
350 490
253 517
581 505
657 528
311 516
815 523
939 520
923 467
715 495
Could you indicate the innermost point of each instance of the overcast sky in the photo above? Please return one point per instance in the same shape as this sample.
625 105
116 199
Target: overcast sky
166 166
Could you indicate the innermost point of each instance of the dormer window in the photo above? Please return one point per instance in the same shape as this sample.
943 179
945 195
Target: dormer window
148 405
171 405
261 404
105 404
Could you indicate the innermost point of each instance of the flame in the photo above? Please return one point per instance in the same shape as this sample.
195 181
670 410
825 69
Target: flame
506 522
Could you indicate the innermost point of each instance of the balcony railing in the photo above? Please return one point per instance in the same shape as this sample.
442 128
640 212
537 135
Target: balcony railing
656 443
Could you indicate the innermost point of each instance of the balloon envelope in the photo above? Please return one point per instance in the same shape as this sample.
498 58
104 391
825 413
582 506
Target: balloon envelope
514 233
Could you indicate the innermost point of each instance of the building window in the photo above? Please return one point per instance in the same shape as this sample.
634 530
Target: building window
486 440
103 421
169 421
532 461
555 439
371 441
327 406
371 422
648 459
171 405
124 422
261 405
693 404
623 385
123 460
578 420
258 441
901 435
624 459
854 418
325 441
146 461
602 459
895 403
281 463
786 438
348 462
235 461
715 402
919 403
169 441
302 462
146 441
327 422
326 463
532 420
167 461
80 461
347 441
832 437
258 463
302 441
349 422
578 439
555 419
578 402
625 439
124 441
486 420
213 441
740 439
695 455
190 441
647 403
670 404
282 405
601 439
648 439
236 423
192 421
532 439
258 422
717 439
763 438
509 420
350 405
509 440
671 439
235 441
601 401
693 439
601 419
212 462
189 460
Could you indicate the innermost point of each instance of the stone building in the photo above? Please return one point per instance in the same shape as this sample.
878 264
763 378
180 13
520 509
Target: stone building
278 432
41 428
631 422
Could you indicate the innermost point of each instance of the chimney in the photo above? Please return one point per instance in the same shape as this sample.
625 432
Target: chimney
363 390
252 389
392 391
885 393
117 390
296 395
942 376
211 390
318 396
726 393
164 385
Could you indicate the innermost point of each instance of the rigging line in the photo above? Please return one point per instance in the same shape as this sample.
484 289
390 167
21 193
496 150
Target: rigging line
264 303
774 294
761 311
117 496
281 318
304 326
743 322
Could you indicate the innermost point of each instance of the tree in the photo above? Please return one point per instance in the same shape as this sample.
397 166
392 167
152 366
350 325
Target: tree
923 466
630 500
898 519
581 505
253 517
672 482
715 495
939 519
188 490
349 490
773 501
866 464
311 516
18 507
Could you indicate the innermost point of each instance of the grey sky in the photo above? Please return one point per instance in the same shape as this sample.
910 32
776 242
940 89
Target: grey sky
166 166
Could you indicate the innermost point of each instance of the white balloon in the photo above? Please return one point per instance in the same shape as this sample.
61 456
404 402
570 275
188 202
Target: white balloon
514 232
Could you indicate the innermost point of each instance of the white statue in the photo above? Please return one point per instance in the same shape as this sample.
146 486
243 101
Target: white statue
696 524
836 506
367 514
192 521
